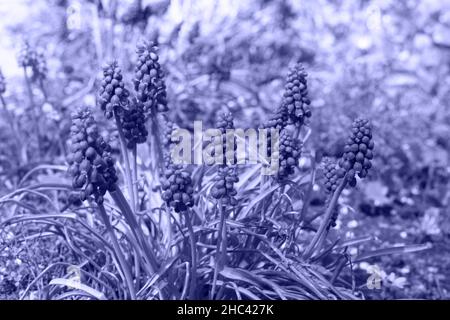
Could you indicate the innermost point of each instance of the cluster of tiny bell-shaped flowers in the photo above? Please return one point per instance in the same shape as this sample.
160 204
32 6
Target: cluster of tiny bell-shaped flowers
223 186
149 80
133 124
30 58
358 152
90 163
296 103
176 183
332 180
112 94
330 173
225 122
177 188
166 133
289 154
278 120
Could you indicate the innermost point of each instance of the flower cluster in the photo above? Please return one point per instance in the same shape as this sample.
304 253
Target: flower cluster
330 172
224 122
149 80
91 165
2 83
223 187
357 152
29 57
166 133
289 150
295 99
177 186
112 93
278 120
133 123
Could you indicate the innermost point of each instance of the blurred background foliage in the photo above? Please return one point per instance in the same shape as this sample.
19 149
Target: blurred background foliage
384 59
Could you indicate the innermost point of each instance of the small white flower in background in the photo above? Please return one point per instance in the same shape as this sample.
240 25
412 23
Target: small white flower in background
47 107
405 270
349 234
51 113
403 234
364 265
430 222
352 224
398 282
18 261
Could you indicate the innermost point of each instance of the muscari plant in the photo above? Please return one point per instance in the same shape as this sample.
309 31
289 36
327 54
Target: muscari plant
215 230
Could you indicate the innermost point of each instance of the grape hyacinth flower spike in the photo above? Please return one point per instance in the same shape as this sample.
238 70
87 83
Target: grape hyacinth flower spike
91 165
223 186
358 152
295 99
224 122
149 80
133 123
177 187
332 180
112 95
330 172
290 150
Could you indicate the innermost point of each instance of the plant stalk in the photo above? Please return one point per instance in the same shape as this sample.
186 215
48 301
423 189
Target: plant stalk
193 283
122 203
135 178
123 147
35 111
326 220
158 144
221 248
118 251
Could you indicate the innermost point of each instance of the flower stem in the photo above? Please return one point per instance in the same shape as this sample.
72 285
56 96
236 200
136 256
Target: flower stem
122 203
193 285
44 92
326 220
135 177
124 150
118 251
158 144
221 249
35 110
